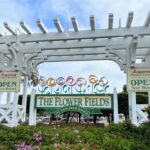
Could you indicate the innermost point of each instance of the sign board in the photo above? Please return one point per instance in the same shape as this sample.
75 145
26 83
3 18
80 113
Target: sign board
9 81
138 79
92 103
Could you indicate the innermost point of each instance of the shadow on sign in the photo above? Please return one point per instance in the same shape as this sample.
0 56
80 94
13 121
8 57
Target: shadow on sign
72 108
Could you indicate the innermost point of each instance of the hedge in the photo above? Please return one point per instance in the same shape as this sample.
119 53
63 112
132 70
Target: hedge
81 137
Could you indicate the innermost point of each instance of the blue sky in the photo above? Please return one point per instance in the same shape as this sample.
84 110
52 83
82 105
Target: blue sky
14 11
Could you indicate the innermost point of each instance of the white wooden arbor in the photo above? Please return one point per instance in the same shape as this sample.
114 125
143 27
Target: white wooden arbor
24 51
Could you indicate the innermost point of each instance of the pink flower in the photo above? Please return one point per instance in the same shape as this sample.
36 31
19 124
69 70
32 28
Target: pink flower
56 145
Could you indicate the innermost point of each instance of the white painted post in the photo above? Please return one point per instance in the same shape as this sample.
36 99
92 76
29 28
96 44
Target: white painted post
24 98
8 98
34 115
129 103
0 97
115 98
14 121
149 98
133 107
32 111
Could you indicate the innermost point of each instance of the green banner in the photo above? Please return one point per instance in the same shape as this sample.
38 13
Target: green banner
85 104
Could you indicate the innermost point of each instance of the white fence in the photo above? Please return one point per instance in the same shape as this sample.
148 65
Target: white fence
11 116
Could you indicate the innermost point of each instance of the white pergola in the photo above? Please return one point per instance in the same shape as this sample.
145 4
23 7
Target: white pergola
24 51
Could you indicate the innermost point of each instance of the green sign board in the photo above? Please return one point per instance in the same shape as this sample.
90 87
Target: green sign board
85 104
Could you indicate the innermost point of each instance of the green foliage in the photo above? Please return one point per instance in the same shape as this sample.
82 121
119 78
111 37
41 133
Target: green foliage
123 103
142 98
147 109
115 137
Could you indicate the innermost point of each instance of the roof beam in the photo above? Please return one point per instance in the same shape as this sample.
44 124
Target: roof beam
86 51
25 27
83 34
58 25
73 58
41 26
76 58
9 28
92 23
110 21
74 44
147 21
38 61
129 20
74 23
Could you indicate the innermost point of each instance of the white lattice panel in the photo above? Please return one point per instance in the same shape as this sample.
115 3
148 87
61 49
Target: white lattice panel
6 112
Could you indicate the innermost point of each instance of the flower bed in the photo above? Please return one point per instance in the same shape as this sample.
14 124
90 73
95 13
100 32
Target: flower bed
76 137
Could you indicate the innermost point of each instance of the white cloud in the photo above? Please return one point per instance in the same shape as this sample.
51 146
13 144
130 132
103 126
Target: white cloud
14 11
100 8
108 69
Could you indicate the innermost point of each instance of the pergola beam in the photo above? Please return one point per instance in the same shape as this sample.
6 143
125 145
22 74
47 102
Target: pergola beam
129 20
122 67
73 52
143 42
74 24
84 34
41 26
147 21
76 44
25 27
77 58
122 43
92 23
9 28
72 58
110 21
58 25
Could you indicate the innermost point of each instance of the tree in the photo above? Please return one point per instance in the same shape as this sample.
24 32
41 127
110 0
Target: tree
147 109
125 88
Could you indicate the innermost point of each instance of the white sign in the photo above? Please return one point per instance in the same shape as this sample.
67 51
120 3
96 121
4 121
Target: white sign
9 81
138 79
43 101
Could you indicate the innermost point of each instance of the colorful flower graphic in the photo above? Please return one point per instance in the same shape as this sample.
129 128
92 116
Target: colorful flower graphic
51 82
70 81
103 81
80 82
60 81
42 81
93 79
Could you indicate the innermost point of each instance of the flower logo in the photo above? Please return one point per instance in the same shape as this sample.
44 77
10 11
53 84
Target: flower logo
70 81
93 79
81 81
60 81
51 82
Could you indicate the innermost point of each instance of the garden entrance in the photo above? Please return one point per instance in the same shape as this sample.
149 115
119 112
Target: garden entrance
21 52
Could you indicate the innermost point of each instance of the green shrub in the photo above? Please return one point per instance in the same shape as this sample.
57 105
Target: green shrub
115 137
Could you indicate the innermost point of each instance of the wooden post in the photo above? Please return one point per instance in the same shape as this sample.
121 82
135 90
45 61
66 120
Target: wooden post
0 97
14 121
8 98
24 98
115 98
32 111
132 106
